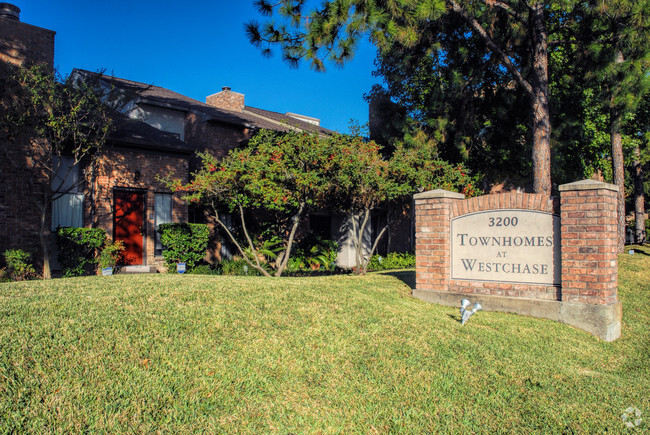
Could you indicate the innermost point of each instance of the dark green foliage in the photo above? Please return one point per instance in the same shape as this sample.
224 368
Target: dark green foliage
314 254
110 254
463 101
79 248
183 243
238 267
394 260
19 267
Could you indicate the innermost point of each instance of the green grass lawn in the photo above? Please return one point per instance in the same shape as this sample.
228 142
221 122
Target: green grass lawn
344 354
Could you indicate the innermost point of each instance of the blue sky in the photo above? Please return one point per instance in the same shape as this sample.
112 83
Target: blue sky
195 48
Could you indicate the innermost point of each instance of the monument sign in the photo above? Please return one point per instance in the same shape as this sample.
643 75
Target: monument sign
532 254
515 246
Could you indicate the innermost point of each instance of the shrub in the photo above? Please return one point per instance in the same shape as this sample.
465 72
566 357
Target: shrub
313 253
18 266
79 247
394 260
238 267
110 253
183 243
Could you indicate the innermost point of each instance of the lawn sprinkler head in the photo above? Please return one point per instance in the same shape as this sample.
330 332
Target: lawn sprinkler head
463 306
466 314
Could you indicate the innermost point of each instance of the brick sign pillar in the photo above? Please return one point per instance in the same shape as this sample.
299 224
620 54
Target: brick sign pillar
589 242
432 226
590 255
554 258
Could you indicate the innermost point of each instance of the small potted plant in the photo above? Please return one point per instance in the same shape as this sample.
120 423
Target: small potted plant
109 256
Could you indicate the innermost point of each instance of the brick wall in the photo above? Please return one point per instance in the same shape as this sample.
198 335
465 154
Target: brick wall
589 241
432 250
22 44
21 193
214 137
120 168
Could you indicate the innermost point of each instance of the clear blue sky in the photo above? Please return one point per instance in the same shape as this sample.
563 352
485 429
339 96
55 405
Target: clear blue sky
195 48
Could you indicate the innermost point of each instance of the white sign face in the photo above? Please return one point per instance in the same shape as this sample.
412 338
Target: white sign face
515 246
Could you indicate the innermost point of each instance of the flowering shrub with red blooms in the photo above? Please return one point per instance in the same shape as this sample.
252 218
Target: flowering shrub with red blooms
283 174
286 175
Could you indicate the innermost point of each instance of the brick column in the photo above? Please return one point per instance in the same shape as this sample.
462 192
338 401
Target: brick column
432 227
589 242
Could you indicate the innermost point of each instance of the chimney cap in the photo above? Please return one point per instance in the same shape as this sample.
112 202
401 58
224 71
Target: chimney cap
7 10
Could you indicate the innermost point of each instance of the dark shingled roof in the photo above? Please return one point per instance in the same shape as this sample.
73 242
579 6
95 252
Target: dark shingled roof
288 120
251 117
131 132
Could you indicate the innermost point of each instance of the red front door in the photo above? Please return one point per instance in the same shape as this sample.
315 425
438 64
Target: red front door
129 221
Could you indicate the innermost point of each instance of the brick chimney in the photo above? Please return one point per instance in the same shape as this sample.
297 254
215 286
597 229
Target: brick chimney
9 11
226 99
22 44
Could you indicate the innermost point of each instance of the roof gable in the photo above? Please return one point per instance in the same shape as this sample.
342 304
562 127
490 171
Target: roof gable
250 117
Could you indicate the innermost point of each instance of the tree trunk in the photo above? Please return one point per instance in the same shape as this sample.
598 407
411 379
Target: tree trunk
618 168
359 256
541 114
618 162
237 245
639 200
374 248
294 227
47 272
536 88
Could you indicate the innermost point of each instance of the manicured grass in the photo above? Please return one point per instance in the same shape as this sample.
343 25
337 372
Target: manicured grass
343 354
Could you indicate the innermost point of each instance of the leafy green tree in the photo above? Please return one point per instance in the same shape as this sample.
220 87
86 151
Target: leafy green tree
617 35
363 183
366 180
462 100
513 33
283 176
638 130
48 118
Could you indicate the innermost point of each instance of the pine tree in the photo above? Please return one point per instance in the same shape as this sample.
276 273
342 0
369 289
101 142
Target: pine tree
333 31
617 38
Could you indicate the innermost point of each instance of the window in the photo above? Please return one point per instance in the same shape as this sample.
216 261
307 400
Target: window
66 175
67 203
163 211
67 211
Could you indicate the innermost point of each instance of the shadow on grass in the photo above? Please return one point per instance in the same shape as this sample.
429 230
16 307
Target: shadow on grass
637 249
406 276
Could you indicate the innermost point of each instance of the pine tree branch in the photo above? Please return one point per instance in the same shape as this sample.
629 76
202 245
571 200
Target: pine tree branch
493 47
505 6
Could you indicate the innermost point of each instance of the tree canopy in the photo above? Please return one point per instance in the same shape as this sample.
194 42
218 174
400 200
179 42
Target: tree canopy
475 75
278 178
513 34
50 118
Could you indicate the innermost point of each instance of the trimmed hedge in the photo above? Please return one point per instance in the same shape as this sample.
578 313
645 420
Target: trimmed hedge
183 243
79 247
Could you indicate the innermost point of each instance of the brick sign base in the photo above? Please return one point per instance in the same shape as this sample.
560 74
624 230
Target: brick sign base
565 269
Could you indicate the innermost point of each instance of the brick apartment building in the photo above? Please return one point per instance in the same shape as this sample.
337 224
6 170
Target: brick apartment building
158 133
20 45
